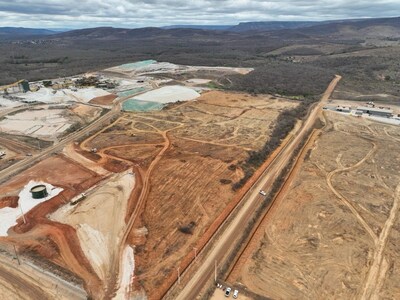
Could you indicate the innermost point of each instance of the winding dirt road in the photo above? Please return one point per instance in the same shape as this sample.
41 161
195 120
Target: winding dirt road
345 201
113 285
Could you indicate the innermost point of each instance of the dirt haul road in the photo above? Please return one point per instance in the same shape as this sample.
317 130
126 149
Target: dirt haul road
252 201
26 281
19 166
29 161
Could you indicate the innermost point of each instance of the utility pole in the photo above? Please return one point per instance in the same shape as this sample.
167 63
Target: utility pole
23 216
16 255
215 271
179 277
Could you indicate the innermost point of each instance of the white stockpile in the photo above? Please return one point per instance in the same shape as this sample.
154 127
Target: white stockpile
48 95
127 274
9 216
168 94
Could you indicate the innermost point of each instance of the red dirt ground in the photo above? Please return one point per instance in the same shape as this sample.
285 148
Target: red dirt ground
9 201
104 100
51 240
56 170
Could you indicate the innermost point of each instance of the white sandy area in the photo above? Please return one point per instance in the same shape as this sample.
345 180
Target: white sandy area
44 95
94 245
166 67
126 274
6 103
87 94
9 216
48 95
198 81
36 123
159 67
100 219
168 94
133 83
242 71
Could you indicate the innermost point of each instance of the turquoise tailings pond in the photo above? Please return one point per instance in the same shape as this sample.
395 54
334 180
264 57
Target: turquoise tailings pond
139 105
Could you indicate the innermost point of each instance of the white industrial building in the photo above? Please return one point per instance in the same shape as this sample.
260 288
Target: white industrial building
374 111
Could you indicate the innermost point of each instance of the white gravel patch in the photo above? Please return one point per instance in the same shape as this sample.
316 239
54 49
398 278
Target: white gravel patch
48 95
168 94
6 103
9 216
87 94
36 123
127 273
198 81
94 245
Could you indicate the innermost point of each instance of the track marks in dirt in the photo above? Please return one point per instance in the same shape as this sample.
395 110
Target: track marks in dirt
344 199
215 143
379 266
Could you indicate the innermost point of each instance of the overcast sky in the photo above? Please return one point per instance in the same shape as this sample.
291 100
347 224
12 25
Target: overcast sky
136 13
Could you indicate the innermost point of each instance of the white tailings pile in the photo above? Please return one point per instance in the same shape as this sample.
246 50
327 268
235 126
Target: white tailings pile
9 216
87 94
6 103
198 81
48 95
168 94
94 245
99 220
36 123
126 274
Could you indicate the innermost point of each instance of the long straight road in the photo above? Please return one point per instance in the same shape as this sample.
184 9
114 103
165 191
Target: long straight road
251 202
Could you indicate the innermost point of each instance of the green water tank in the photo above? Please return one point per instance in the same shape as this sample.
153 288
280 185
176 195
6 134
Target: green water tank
39 191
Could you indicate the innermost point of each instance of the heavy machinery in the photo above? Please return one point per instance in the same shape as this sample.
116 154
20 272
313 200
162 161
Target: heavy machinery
16 87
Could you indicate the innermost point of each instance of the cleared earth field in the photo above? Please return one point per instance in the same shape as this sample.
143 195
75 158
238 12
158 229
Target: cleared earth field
186 156
156 185
334 232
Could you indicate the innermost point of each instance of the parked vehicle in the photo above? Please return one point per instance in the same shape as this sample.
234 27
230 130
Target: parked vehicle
263 193
235 294
228 292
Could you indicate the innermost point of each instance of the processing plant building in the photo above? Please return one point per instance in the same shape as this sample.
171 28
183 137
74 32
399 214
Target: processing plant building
374 111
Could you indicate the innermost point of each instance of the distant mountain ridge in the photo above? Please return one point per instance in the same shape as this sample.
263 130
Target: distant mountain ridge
281 25
289 29
272 25
204 27
22 31
277 29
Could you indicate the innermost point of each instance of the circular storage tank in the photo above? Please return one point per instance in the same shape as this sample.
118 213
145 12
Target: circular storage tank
39 191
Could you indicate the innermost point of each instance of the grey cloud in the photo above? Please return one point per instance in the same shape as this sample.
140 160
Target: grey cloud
135 13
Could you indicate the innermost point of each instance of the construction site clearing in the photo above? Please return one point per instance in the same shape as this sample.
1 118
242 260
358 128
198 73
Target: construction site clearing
36 115
111 213
332 232
128 173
